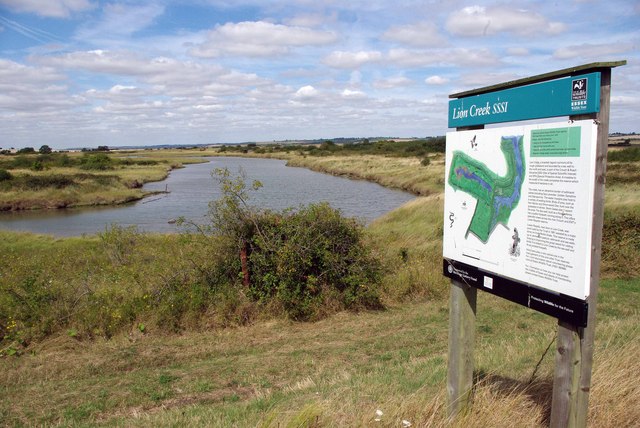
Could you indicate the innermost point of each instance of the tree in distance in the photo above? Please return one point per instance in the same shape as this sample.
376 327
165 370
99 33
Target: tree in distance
45 149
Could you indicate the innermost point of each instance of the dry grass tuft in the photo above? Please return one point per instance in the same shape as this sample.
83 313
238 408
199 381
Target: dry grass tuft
615 391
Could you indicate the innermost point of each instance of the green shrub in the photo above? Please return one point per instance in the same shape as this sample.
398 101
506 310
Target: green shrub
36 182
302 260
5 175
98 161
629 154
329 145
22 162
143 162
44 160
37 165
62 160
436 144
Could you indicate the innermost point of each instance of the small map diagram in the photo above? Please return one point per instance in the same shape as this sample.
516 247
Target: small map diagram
497 196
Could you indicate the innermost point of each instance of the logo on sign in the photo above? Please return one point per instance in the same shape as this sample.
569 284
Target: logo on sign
579 94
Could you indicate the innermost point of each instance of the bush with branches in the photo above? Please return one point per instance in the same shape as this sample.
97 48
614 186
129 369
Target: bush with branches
304 260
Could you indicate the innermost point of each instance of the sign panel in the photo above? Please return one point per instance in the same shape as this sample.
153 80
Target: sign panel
518 210
562 97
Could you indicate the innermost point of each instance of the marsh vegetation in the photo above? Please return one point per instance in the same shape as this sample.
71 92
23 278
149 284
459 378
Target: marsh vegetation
64 180
129 328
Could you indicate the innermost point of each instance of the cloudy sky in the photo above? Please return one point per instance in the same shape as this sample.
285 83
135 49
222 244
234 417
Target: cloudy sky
92 72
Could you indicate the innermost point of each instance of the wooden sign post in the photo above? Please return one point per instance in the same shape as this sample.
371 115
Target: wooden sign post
574 351
537 272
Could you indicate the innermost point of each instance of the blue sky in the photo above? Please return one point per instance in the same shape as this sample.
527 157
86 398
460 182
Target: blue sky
89 72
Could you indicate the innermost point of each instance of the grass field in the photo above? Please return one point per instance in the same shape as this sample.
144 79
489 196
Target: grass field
335 372
250 369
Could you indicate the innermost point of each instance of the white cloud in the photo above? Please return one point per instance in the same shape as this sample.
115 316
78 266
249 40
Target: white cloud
110 62
421 35
475 21
624 100
461 56
340 59
48 8
12 72
518 51
33 89
436 80
168 76
431 101
120 92
128 107
310 20
306 92
392 82
120 20
167 72
477 80
259 39
593 50
351 94
118 89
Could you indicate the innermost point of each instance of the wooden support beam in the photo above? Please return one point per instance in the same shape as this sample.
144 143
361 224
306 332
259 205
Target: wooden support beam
462 328
566 379
574 354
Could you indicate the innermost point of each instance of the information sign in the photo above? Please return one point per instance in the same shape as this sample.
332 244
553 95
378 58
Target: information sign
518 206
561 97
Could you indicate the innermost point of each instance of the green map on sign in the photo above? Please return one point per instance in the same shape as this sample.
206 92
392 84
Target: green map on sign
497 196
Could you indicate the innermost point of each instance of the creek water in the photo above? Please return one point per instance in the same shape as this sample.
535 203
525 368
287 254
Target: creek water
192 188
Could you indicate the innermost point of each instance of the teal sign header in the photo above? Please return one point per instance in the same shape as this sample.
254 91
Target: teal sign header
562 97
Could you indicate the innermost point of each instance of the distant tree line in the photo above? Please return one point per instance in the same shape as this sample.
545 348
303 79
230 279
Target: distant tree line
405 148
45 149
45 159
